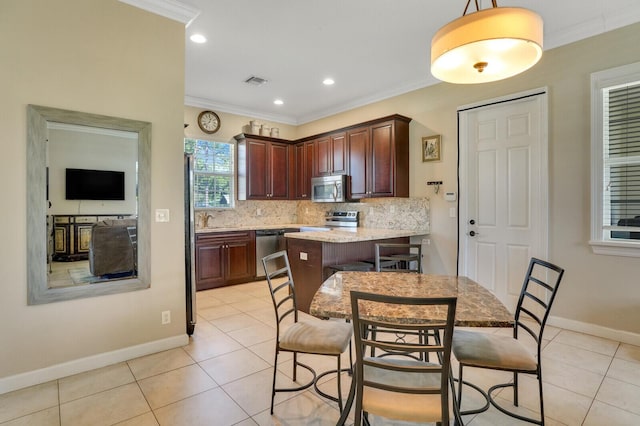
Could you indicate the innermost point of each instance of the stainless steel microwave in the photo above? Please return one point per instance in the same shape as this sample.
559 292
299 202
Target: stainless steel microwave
329 189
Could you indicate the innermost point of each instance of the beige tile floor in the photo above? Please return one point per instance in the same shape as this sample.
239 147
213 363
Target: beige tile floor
223 377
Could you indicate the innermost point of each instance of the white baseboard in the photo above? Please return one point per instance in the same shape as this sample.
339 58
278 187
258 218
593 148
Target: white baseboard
43 375
595 330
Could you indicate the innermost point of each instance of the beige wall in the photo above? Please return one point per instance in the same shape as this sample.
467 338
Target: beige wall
103 57
598 290
230 126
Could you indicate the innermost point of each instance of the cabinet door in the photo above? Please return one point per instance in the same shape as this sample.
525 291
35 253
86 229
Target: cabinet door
241 264
277 171
257 168
358 146
303 170
210 264
382 160
322 154
338 153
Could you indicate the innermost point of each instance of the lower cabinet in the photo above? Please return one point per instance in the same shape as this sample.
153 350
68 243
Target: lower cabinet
225 258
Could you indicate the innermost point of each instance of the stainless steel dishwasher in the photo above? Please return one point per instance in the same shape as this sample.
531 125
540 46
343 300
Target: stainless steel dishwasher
267 242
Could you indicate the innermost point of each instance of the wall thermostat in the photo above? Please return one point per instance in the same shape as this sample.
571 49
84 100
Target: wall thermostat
450 196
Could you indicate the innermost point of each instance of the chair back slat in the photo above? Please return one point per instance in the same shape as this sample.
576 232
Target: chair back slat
542 278
428 336
276 267
398 257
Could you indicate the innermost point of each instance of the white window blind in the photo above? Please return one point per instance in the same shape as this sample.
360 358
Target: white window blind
621 166
213 175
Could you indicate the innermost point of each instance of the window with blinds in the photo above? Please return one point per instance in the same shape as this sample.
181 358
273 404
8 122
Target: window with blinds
213 173
621 165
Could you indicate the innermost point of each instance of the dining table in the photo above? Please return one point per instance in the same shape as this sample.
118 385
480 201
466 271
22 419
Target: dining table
476 306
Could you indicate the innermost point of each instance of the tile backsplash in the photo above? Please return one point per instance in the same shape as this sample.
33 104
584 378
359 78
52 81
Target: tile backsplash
385 213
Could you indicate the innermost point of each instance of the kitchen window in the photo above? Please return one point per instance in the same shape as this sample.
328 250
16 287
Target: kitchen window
615 148
213 186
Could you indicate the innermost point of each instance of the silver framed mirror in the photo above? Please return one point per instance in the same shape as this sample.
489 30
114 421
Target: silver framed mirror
40 120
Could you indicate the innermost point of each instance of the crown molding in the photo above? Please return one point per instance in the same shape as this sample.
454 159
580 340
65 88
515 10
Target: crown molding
171 9
238 110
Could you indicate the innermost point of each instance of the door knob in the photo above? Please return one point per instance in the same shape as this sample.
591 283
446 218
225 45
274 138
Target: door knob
472 222
472 233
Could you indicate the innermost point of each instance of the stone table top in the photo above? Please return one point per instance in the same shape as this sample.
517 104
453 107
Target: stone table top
476 306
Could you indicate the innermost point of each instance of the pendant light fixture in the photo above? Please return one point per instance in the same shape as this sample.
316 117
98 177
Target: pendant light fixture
487 45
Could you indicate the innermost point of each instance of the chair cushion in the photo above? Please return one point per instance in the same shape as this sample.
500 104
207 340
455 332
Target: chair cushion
420 408
318 337
490 351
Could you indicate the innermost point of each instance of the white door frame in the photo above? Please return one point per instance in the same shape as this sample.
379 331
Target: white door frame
542 250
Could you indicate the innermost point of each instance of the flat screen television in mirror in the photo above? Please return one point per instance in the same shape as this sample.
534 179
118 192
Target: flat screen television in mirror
83 184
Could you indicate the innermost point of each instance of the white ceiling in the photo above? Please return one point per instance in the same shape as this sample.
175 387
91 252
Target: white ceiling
373 49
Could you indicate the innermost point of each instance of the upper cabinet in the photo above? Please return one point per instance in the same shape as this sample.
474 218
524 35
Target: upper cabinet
263 165
330 155
378 158
375 155
302 170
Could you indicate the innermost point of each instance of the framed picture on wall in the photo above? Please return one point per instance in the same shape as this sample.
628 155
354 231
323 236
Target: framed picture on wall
431 148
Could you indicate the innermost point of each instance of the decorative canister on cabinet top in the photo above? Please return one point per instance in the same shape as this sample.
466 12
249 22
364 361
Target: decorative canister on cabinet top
275 132
264 130
255 127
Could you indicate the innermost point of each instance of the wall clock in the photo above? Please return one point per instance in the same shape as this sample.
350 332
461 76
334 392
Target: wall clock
209 122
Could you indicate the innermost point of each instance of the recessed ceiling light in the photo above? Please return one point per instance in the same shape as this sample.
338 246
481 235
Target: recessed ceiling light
278 102
328 81
198 38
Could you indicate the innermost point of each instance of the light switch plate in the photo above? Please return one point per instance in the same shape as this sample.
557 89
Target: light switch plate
162 215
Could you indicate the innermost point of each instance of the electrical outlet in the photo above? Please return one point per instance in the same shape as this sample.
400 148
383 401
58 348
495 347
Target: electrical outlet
258 212
426 241
166 317
303 255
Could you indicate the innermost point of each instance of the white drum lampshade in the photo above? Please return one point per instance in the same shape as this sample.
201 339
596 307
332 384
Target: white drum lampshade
487 45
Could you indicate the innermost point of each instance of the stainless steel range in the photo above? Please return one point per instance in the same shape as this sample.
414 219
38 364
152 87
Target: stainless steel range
342 219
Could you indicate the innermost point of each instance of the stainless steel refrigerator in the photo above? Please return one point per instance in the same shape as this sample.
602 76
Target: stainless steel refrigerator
189 244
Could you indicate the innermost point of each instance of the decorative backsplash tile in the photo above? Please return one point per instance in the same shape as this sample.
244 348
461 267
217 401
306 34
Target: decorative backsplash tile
249 213
383 213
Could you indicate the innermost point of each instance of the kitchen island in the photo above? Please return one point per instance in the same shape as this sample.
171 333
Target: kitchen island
311 254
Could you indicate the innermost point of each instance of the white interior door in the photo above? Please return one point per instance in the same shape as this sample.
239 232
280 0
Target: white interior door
503 191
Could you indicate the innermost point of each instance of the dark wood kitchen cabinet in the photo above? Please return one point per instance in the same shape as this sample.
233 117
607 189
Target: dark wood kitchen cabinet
263 165
303 170
225 258
378 158
330 155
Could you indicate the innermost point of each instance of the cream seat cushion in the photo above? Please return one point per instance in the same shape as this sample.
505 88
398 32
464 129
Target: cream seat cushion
318 337
491 351
420 408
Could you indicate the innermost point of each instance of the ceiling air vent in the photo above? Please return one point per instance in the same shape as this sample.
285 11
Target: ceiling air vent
255 81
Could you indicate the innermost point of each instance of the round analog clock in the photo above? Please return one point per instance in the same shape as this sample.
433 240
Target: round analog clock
209 121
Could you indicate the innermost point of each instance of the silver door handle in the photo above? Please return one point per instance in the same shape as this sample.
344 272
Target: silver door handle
473 233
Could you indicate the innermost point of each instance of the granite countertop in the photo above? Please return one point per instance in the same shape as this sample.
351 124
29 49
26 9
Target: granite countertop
354 235
251 228
476 306
332 236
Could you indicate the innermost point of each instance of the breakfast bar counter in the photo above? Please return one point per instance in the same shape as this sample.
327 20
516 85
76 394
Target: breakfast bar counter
351 235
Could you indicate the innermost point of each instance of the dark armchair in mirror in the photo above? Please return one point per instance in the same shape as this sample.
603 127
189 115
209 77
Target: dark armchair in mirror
80 235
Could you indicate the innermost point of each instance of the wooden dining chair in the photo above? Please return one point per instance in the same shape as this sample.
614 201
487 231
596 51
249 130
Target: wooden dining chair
490 351
398 257
397 387
331 338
